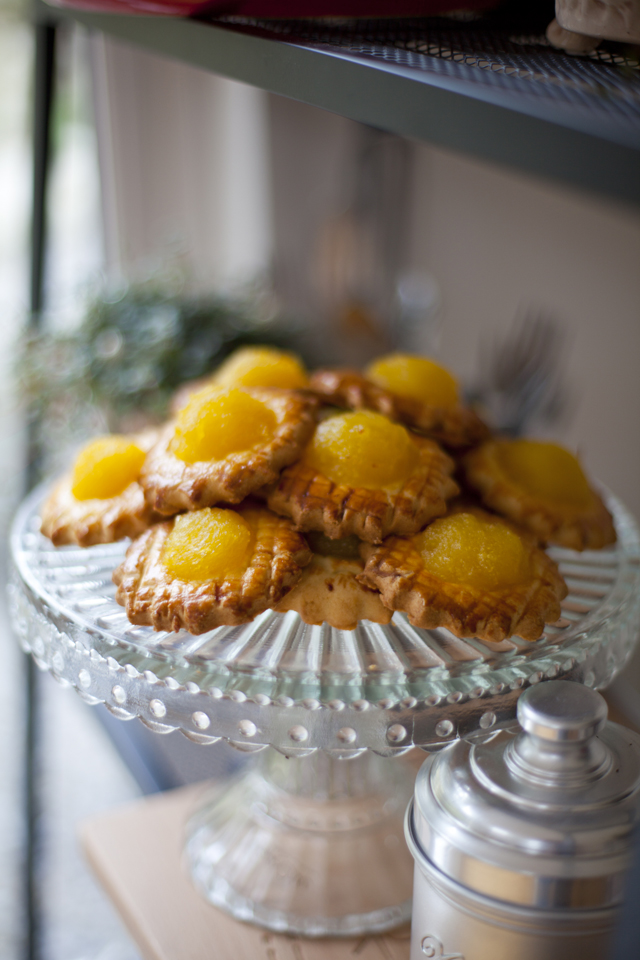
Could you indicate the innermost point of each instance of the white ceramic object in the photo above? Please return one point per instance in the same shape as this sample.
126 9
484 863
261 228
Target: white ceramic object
578 20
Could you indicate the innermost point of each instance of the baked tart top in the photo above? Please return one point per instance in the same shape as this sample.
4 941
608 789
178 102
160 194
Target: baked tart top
250 367
543 487
210 567
262 367
100 500
372 473
362 474
328 590
471 572
224 445
413 390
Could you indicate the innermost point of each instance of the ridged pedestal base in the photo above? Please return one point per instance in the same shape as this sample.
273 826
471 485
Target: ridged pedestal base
312 845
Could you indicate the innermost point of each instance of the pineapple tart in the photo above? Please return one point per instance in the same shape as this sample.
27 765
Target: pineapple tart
471 572
224 445
368 483
250 367
210 567
543 487
328 590
100 500
413 390
363 474
262 367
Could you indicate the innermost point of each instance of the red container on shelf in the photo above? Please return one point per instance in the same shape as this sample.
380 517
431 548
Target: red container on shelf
281 9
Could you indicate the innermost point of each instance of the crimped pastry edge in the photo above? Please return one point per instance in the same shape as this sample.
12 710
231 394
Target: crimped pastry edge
86 523
457 426
171 485
316 503
430 602
152 598
571 527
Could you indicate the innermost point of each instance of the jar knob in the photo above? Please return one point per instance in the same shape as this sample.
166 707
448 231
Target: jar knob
558 744
562 710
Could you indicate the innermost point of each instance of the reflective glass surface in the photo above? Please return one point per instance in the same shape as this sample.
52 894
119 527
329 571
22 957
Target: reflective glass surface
279 681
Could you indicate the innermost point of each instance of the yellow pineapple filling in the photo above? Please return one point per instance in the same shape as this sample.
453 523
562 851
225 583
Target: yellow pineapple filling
105 468
474 552
415 377
362 449
215 424
262 367
545 470
210 544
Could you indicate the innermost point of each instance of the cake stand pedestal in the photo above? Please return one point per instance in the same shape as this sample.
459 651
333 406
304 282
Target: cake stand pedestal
305 842
165 914
313 846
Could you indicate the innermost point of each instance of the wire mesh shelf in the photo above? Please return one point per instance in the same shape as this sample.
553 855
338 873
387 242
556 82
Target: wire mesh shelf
606 80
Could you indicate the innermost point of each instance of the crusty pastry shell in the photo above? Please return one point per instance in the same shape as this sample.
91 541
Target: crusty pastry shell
397 570
66 520
328 592
457 426
86 523
316 503
573 527
153 598
171 485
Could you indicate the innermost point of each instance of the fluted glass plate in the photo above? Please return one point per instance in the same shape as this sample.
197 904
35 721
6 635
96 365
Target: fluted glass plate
279 681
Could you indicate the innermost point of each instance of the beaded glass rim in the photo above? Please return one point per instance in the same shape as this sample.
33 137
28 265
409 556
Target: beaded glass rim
278 681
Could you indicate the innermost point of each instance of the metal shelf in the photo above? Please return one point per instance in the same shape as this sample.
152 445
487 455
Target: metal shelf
476 87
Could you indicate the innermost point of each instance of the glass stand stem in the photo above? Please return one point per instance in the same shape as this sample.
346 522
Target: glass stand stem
311 845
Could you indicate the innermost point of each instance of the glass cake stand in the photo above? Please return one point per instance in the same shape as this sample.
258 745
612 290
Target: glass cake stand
314 846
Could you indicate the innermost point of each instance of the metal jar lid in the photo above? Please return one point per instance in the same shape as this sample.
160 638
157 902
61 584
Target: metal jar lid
539 816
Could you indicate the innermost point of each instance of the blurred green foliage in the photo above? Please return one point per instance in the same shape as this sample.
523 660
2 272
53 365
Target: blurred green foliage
134 347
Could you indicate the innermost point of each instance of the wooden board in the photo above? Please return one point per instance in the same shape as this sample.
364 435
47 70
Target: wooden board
136 853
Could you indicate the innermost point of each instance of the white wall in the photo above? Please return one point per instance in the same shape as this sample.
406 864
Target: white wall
500 242
187 165
183 165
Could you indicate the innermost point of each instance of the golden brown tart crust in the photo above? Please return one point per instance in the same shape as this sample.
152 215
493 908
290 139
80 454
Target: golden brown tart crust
86 523
153 598
66 520
328 592
457 426
397 570
316 503
573 527
171 485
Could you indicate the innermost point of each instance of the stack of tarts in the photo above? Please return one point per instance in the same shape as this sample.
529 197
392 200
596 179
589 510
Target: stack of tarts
341 495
